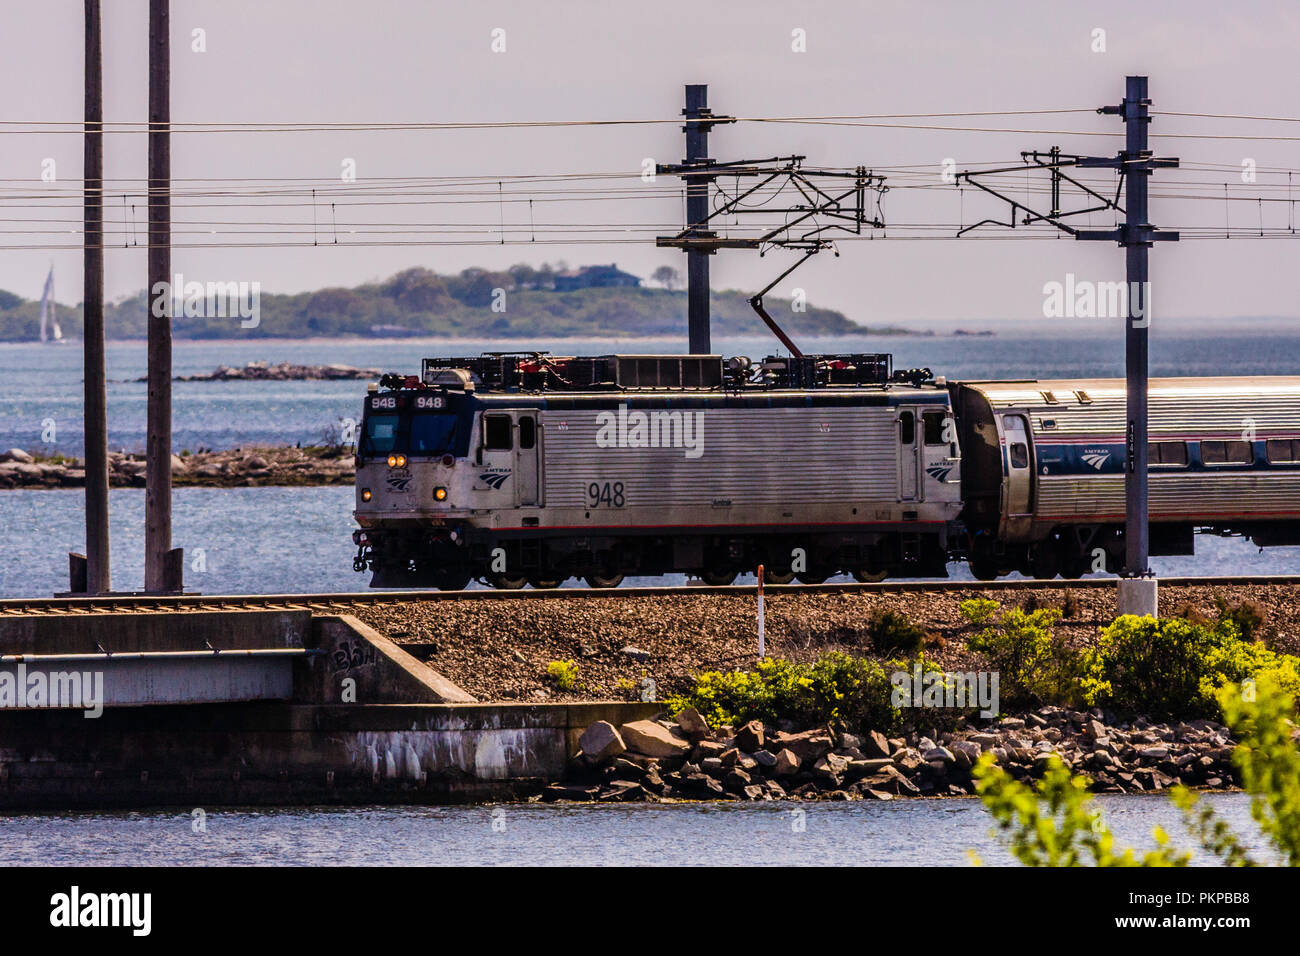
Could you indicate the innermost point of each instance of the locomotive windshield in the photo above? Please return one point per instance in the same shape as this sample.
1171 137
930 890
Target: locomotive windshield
432 434
417 433
380 436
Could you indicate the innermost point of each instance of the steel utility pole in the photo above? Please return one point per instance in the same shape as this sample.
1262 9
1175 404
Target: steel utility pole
98 579
1137 588
699 120
1135 163
161 567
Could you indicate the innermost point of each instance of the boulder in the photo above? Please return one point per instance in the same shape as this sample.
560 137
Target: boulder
601 741
787 764
692 724
831 765
707 748
653 739
875 745
807 746
751 737
765 759
939 755
569 791
736 780
622 791
17 454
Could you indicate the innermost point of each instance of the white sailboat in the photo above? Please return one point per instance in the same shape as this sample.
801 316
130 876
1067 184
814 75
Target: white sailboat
50 330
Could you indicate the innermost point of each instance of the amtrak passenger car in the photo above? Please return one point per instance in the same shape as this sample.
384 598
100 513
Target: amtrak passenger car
1045 461
533 469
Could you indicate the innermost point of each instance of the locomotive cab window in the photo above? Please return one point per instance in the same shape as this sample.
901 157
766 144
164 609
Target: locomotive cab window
1227 453
1168 453
932 425
496 433
1019 455
906 428
380 436
1283 450
527 432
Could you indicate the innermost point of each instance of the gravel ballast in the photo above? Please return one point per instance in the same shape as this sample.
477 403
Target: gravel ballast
499 649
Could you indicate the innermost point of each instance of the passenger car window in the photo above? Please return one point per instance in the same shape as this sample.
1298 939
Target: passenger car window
1282 449
1019 455
1167 453
496 433
1227 453
906 428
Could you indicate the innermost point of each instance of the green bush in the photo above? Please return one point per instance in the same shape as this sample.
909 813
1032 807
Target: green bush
893 633
1033 667
978 610
1247 616
854 691
1053 823
564 673
1176 667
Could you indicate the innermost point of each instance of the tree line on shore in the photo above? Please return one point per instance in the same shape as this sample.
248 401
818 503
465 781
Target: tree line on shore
521 301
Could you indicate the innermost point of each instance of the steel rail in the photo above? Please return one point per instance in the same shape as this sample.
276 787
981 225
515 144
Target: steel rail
334 602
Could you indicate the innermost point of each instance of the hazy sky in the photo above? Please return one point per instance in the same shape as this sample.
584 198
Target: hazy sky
407 61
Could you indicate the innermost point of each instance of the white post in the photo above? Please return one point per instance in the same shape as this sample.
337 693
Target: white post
762 648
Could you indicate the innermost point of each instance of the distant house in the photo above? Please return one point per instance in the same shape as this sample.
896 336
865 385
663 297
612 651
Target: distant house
595 277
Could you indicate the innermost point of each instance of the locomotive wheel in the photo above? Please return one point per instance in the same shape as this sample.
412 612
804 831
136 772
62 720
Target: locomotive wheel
545 584
604 580
503 582
812 577
717 579
1044 560
777 577
984 568
1074 566
451 580
870 575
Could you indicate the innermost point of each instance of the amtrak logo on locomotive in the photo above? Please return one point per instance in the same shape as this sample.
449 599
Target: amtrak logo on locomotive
495 478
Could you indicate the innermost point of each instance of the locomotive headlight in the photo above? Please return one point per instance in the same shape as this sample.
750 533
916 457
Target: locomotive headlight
440 493
401 461
396 461
392 461
365 494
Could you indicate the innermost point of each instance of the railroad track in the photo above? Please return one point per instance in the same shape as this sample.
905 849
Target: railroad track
341 602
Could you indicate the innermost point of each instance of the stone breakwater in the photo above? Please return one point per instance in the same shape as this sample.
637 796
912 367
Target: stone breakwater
241 467
280 372
657 760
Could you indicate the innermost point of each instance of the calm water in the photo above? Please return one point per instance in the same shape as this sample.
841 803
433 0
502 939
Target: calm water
40 384
900 833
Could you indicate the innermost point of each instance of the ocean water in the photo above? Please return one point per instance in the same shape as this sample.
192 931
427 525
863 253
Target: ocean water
896 833
267 540
41 385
